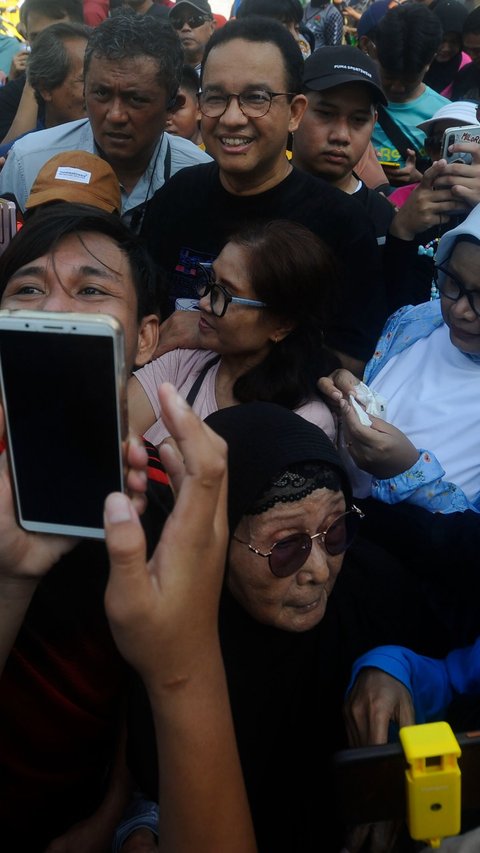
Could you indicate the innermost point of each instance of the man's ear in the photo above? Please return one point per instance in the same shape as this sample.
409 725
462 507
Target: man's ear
44 93
298 105
147 341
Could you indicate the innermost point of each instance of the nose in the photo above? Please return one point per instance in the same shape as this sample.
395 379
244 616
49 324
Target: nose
57 300
463 310
116 111
316 569
340 131
233 115
204 304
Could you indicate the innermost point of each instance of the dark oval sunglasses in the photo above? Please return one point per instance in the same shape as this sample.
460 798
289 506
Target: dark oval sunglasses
288 555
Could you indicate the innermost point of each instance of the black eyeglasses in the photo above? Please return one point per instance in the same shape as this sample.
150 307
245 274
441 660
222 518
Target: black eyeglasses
254 103
453 288
193 21
288 555
220 298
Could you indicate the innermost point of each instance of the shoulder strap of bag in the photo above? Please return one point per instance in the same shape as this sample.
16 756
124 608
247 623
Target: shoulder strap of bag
394 133
192 394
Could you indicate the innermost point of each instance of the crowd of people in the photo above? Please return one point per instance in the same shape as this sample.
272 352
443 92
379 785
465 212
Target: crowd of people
274 209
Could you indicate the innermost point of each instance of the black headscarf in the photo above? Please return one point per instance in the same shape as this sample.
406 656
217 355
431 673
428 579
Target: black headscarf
263 440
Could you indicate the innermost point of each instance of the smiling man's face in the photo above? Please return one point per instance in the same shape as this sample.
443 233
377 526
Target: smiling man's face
249 151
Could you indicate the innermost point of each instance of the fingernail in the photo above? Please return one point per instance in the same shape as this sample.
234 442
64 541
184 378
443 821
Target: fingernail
117 508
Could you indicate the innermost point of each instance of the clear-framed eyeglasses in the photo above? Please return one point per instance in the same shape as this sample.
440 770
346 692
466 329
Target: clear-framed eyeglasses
220 298
254 103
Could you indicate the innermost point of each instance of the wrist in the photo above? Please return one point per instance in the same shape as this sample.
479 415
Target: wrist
14 589
399 229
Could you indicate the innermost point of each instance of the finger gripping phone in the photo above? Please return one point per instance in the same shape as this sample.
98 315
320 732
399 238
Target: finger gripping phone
63 390
452 135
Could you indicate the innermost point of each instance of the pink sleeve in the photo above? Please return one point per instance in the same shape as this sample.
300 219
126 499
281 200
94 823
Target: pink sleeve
400 195
319 414
163 369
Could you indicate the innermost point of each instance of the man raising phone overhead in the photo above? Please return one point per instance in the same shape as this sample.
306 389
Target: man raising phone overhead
62 683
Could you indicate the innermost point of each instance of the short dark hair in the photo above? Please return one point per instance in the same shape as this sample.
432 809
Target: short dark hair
42 233
295 273
54 9
49 62
189 80
407 38
472 22
127 35
266 31
285 11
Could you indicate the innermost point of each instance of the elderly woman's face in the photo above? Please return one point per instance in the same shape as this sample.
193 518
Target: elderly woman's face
458 313
298 602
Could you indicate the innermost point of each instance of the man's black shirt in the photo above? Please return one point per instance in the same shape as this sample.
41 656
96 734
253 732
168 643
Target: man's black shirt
191 218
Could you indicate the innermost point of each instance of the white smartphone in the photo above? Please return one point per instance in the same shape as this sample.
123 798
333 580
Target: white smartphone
8 223
63 390
467 133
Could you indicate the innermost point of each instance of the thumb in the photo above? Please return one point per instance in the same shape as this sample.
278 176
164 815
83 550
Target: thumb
411 156
126 547
430 174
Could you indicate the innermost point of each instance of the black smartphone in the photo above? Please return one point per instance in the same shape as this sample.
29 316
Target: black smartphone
63 391
369 782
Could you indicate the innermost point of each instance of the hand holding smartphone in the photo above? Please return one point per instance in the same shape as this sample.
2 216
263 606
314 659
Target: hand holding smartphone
63 390
454 135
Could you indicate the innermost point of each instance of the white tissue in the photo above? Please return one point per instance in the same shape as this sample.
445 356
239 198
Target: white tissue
373 404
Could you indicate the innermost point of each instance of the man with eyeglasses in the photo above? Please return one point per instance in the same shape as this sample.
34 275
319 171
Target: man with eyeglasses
194 24
250 101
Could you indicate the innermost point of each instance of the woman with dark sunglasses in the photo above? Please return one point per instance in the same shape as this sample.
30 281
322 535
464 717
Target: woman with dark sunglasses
297 608
263 304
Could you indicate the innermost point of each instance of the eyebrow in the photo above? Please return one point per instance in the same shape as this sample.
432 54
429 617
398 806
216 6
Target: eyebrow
324 102
100 272
250 86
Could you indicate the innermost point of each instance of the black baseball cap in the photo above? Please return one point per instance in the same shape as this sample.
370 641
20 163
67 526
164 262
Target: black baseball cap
331 66
202 6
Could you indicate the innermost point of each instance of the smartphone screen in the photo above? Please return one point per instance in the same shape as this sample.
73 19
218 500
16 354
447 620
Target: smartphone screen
63 426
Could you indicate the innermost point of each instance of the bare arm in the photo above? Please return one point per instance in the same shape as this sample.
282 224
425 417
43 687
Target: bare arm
140 412
163 616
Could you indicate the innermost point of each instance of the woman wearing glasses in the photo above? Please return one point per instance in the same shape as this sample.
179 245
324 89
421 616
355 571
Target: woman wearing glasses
296 610
427 366
263 305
